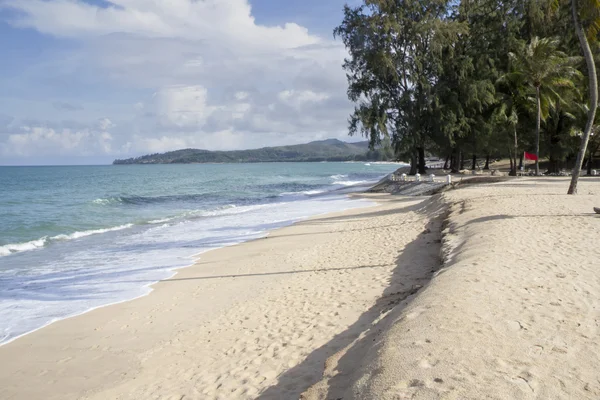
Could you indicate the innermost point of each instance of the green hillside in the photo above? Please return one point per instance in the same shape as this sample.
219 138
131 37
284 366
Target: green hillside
324 150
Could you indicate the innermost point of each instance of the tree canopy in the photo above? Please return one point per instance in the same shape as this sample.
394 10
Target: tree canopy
464 79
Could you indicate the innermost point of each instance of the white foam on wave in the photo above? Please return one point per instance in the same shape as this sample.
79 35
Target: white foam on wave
227 210
14 248
349 183
104 202
160 221
102 269
77 235
313 192
338 177
303 193
9 249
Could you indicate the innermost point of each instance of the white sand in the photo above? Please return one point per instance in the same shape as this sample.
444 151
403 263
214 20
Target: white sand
514 313
333 307
260 317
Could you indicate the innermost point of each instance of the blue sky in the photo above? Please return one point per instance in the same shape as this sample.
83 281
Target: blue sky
84 82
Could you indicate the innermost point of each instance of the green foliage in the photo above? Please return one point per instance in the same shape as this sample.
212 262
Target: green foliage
468 77
396 52
542 65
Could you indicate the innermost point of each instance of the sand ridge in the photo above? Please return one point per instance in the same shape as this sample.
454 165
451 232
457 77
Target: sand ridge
513 314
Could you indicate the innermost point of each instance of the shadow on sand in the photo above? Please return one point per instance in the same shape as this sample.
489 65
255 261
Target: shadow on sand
415 266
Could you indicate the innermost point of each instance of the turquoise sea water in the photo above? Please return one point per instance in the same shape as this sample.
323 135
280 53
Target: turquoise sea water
78 238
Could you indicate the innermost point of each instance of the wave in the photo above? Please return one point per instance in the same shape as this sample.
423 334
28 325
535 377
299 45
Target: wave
229 209
313 192
9 249
282 187
145 200
302 193
160 221
288 191
104 202
338 177
81 234
349 183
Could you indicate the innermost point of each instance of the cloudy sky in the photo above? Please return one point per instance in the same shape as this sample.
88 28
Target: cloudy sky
87 81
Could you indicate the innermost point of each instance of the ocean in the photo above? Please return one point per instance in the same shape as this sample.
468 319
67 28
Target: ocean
81 237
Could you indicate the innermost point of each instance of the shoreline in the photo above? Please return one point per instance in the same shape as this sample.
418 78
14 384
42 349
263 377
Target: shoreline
120 338
195 257
416 296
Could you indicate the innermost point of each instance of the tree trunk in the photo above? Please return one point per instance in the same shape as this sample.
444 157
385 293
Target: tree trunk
593 88
516 149
474 162
413 164
538 123
553 165
590 164
487 163
446 162
513 163
455 163
461 160
422 161
520 160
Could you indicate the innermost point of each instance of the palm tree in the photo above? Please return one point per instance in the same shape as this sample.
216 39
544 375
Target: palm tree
591 9
546 70
512 101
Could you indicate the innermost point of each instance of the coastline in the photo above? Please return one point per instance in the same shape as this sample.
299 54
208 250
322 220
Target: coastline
194 257
38 351
186 259
355 305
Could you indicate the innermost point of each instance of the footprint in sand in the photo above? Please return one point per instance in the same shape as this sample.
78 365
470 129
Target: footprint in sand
426 364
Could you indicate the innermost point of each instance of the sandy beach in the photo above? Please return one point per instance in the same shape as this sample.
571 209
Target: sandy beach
488 291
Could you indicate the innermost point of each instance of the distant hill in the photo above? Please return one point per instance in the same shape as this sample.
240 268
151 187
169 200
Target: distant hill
323 150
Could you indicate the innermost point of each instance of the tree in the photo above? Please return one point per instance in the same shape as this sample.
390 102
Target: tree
507 115
461 78
465 90
591 9
395 57
546 69
560 129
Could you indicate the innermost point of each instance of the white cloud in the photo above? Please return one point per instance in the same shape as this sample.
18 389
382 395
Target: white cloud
298 98
160 144
183 106
220 80
241 95
240 110
184 19
220 140
105 124
41 140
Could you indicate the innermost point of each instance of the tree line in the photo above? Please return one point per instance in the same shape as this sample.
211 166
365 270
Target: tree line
468 78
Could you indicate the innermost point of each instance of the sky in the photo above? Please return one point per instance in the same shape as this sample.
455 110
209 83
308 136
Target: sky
88 81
